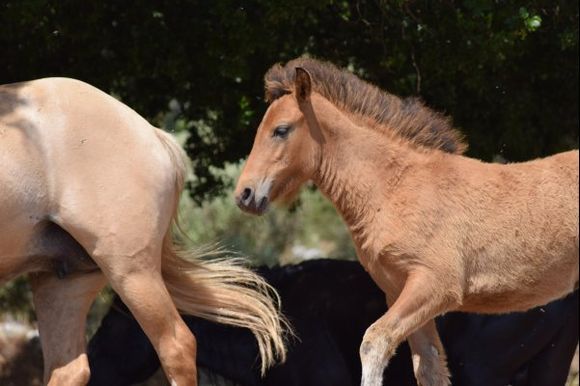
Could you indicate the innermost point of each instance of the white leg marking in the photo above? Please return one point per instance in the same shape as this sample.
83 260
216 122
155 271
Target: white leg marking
373 364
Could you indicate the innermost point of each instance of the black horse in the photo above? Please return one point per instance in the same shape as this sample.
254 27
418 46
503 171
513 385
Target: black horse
330 304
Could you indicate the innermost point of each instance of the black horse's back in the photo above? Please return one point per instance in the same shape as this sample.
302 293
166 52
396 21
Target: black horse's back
330 305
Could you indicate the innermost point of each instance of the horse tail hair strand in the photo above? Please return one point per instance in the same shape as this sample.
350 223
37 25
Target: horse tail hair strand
204 283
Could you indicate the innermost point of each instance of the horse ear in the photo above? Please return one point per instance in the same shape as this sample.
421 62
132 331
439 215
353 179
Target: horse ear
303 84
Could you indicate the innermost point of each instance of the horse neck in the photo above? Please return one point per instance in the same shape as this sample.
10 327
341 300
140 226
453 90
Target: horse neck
359 167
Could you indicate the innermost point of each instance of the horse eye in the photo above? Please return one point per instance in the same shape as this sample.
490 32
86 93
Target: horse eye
281 131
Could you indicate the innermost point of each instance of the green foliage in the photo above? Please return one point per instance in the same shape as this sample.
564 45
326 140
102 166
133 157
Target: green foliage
506 71
16 298
280 236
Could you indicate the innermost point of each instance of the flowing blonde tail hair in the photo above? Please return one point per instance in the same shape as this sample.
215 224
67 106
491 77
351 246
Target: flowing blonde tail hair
223 290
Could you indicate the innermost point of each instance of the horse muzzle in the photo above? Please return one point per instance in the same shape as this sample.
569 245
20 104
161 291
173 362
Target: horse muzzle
250 202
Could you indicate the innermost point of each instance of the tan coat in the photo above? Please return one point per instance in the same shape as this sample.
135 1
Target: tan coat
88 192
437 231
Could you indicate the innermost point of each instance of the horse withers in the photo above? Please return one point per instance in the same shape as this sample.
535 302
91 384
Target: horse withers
437 231
88 193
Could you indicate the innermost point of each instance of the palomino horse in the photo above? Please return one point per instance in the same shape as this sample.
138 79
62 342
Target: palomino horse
89 191
436 231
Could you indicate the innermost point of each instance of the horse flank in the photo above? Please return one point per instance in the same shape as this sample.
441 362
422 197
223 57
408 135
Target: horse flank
408 119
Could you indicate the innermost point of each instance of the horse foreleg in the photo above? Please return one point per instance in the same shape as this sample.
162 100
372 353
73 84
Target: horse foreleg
429 359
61 307
419 302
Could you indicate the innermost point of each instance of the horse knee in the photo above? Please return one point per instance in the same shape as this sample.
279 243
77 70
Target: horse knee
376 351
377 342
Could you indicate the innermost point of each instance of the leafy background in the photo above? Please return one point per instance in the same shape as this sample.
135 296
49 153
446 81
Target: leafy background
506 71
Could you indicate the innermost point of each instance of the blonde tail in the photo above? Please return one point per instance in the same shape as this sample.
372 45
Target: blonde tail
221 290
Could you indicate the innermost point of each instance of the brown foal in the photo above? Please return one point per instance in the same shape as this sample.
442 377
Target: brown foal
437 231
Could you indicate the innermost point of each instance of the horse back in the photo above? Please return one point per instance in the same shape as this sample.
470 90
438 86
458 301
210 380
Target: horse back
61 136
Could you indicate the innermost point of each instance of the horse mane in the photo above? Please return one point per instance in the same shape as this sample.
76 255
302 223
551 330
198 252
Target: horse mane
406 118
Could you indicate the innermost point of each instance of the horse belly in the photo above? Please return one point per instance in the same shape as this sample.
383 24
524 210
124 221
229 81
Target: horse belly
519 284
525 253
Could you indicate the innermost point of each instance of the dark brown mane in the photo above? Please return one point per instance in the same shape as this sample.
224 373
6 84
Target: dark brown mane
408 118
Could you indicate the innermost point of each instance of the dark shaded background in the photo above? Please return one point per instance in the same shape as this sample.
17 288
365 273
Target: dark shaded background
506 71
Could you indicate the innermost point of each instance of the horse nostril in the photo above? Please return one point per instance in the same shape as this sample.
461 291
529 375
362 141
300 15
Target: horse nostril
246 194
263 203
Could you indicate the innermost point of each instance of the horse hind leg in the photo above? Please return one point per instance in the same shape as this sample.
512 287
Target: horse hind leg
61 307
142 289
129 254
130 259
122 229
